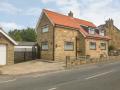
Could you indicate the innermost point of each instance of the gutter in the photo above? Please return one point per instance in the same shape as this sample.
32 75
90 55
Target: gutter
53 43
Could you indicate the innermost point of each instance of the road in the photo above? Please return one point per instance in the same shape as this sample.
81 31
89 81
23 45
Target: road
93 77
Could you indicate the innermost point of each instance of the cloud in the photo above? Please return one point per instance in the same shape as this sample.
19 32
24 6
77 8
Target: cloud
34 11
9 8
96 11
10 26
66 5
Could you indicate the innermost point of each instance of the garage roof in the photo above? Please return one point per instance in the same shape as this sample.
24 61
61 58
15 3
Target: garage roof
7 36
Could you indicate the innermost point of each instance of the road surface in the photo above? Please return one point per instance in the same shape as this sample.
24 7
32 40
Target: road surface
93 77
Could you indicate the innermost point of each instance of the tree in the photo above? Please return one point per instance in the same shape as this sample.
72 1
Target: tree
111 47
28 35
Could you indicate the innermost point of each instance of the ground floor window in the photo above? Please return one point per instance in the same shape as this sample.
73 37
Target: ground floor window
69 46
44 45
92 45
103 46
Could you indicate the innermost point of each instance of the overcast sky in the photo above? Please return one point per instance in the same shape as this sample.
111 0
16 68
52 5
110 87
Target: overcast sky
25 13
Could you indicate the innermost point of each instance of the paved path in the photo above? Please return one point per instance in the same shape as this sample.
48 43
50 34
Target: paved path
32 67
92 77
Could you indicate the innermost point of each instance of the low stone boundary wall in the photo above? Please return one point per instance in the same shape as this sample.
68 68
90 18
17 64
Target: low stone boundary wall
75 61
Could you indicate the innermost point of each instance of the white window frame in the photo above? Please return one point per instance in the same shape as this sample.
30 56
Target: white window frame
68 47
44 46
101 32
45 29
91 30
101 47
92 47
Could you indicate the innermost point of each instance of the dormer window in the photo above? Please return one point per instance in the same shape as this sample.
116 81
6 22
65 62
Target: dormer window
101 32
91 30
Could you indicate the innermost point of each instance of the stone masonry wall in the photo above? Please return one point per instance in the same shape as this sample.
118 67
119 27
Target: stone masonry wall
62 35
48 36
96 53
10 49
81 45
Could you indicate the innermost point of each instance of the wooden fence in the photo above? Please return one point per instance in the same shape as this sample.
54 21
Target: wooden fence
25 55
74 61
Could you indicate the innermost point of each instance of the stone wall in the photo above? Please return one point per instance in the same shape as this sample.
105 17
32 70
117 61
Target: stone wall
62 35
96 53
48 36
113 32
10 49
56 36
81 45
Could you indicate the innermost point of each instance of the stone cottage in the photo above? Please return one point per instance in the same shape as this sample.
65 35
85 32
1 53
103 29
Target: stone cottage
112 31
6 48
64 35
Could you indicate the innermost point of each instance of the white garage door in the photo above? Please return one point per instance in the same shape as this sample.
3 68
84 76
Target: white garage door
2 54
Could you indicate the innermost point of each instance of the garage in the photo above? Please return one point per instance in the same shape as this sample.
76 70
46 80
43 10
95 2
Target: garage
3 54
6 48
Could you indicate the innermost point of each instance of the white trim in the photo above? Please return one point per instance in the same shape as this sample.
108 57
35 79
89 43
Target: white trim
7 36
23 46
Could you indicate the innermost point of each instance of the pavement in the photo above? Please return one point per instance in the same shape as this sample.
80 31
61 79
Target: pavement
33 66
101 76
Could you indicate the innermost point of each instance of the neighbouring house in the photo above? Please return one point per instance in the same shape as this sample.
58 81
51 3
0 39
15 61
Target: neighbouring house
6 48
64 35
112 31
25 51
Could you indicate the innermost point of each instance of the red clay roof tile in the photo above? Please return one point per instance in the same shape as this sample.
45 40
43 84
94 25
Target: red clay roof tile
68 21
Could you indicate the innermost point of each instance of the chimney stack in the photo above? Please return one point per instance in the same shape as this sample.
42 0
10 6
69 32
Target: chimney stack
110 22
70 14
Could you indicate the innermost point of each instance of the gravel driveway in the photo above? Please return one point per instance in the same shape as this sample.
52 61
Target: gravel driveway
32 67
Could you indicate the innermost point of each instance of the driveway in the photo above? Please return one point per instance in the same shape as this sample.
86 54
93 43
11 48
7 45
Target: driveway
32 67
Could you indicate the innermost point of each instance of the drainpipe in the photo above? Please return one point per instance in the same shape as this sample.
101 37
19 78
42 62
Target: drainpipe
53 43
76 46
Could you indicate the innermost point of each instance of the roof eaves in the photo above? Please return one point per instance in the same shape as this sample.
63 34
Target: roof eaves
96 37
43 12
48 17
7 36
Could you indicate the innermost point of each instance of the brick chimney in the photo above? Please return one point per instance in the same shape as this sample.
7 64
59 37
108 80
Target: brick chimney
70 14
110 22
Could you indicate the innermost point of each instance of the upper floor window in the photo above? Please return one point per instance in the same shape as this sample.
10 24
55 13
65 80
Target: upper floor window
92 45
91 30
44 45
68 46
103 46
45 29
101 32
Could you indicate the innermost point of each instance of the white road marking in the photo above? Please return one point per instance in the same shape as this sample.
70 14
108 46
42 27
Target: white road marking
8 81
52 88
101 74
39 75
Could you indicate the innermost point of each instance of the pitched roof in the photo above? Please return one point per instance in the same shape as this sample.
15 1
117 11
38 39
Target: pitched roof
26 43
67 20
72 22
7 36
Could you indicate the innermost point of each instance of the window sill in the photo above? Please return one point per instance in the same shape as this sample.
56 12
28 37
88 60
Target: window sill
45 50
92 49
68 50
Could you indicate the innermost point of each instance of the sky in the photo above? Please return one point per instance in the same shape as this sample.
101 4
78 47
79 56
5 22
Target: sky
19 14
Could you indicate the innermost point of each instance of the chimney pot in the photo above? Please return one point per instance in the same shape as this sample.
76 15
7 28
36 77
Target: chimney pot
70 14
